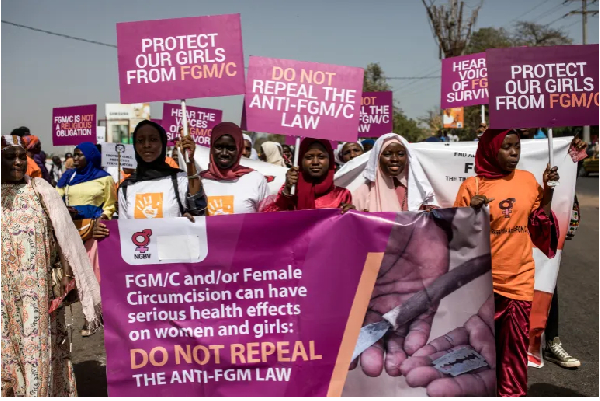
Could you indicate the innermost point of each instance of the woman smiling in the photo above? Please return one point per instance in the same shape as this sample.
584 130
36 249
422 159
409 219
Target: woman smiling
231 188
155 189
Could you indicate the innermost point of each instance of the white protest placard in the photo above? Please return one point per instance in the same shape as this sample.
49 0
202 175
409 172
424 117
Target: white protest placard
110 155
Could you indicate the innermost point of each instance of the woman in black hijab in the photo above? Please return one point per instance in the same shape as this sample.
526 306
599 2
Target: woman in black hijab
155 189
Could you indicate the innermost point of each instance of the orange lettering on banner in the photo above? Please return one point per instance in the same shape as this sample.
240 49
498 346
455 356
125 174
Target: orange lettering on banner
317 77
144 355
482 83
165 356
569 100
367 101
215 70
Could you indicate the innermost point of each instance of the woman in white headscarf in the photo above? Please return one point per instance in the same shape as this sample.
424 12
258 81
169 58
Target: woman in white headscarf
248 151
394 180
272 153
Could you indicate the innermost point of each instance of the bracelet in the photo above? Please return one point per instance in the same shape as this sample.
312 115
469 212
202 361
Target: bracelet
69 276
193 176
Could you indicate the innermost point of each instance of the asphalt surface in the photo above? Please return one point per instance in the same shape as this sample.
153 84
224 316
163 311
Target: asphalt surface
578 318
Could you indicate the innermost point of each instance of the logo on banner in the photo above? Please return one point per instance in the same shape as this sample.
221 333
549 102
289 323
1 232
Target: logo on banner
149 206
507 206
141 240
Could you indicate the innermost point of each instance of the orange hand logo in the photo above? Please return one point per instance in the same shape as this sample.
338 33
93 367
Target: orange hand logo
149 206
220 205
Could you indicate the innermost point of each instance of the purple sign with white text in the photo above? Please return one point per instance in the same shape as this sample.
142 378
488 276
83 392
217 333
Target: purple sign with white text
73 125
180 58
303 98
464 81
552 86
376 114
200 120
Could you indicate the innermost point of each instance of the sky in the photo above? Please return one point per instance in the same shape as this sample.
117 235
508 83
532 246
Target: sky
41 71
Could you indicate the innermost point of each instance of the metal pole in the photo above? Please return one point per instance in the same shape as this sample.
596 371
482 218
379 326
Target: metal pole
586 129
296 163
551 184
483 113
184 122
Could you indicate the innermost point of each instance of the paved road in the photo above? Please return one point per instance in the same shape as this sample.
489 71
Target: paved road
578 306
578 310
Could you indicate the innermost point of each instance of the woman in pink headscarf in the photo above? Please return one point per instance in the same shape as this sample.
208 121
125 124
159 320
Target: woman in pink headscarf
394 179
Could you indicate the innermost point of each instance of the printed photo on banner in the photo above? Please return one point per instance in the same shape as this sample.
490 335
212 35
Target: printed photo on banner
551 86
453 117
73 125
303 98
200 120
180 58
376 114
464 81
112 151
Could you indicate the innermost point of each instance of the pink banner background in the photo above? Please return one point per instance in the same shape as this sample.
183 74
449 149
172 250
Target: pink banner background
201 121
180 58
301 104
464 81
377 112
73 125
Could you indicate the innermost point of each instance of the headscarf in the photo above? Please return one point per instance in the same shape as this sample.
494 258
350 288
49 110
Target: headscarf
30 141
253 154
339 157
367 142
157 168
12 140
235 171
40 160
308 188
382 195
91 171
486 157
273 152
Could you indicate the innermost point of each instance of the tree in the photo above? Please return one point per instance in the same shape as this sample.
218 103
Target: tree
487 38
535 35
375 81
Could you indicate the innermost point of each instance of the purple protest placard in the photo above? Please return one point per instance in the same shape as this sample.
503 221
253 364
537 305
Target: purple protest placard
73 125
464 81
303 98
200 120
180 58
376 114
550 86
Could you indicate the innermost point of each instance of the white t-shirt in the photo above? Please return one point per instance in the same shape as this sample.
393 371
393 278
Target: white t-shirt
153 199
243 195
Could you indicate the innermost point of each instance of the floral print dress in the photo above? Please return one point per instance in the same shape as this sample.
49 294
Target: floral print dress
35 349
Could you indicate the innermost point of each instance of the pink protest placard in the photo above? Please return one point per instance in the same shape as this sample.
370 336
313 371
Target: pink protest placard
180 58
376 114
552 86
201 122
303 98
464 81
73 125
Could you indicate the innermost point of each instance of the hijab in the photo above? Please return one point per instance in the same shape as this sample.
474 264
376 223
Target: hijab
379 191
486 157
158 168
308 188
253 154
235 171
30 141
273 152
91 171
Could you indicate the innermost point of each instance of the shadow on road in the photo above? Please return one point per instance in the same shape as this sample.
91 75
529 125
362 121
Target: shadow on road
91 379
550 390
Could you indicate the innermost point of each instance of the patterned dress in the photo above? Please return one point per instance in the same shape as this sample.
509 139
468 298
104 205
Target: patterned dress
35 349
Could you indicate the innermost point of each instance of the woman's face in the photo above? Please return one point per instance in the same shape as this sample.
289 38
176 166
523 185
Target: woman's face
247 151
224 152
316 161
287 152
14 164
393 159
510 152
79 161
148 143
350 151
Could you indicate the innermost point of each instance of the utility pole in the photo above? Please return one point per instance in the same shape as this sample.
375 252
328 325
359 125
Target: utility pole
584 12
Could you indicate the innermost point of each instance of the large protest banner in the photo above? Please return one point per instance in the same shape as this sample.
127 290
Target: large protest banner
225 307
376 114
303 98
458 160
200 120
73 125
180 58
550 86
464 81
